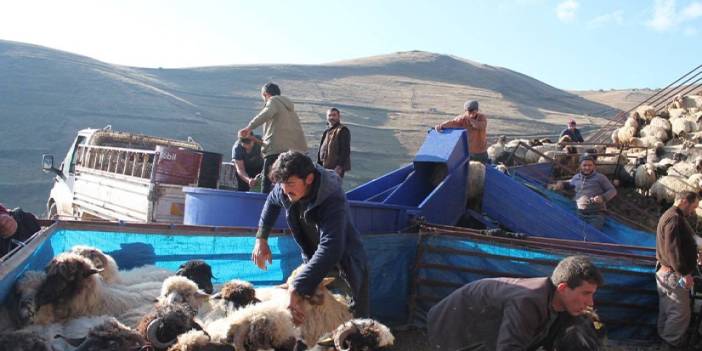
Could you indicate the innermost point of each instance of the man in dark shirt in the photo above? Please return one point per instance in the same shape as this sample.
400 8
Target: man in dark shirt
335 148
318 216
514 314
16 226
676 253
248 161
572 132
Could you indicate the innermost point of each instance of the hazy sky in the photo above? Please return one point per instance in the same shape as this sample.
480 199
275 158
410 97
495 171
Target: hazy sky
571 44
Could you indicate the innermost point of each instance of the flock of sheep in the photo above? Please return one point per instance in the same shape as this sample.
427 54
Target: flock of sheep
658 153
82 301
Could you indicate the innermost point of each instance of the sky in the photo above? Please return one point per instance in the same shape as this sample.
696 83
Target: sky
569 44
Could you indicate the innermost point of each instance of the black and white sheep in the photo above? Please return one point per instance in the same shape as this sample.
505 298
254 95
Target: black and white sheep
585 333
73 288
198 271
357 335
162 326
198 340
112 336
233 295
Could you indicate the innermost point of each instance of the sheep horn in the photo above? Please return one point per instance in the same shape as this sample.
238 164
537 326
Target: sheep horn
152 336
217 296
340 340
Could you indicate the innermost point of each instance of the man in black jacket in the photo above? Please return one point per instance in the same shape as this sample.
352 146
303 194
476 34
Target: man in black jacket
513 314
676 253
335 148
16 226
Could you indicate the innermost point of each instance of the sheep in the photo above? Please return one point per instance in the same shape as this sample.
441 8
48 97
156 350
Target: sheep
659 133
676 113
357 335
234 294
162 326
112 336
497 148
22 303
266 325
608 165
23 341
73 288
179 289
533 157
585 333
111 274
683 126
644 177
625 134
57 334
476 182
647 112
198 340
686 169
198 271
660 122
665 188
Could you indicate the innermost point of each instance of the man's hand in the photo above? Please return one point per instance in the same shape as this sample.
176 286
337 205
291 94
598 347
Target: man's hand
261 253
439 128
8 226
295 307
339 170
598 199
243 133
252 182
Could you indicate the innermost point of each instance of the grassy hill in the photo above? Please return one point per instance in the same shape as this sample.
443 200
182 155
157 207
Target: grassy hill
388 102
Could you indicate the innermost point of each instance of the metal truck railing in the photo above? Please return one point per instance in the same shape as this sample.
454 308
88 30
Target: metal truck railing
686 84
129 162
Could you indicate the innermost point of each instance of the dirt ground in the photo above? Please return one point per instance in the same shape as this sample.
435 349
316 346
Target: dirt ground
416 340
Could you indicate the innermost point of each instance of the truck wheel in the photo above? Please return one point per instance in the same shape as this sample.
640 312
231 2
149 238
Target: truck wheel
53 213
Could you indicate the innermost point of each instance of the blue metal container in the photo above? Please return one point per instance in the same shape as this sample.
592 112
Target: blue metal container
225 208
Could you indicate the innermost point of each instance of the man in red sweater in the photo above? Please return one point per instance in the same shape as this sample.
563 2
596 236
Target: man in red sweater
475 124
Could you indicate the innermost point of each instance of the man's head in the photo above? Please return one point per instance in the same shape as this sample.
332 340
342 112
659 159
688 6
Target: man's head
295 172
247 142
571 124
687 202
471 106
333 116
269 90
587 164
8 225
576 279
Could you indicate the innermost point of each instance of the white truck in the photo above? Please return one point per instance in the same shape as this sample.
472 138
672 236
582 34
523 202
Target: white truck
117 176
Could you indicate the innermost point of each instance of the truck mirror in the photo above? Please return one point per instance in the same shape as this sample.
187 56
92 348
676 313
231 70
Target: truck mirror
47 163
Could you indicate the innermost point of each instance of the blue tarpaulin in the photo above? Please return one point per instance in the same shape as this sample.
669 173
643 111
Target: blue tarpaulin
229 254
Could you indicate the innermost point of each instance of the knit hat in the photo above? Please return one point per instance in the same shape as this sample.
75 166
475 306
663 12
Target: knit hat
470 105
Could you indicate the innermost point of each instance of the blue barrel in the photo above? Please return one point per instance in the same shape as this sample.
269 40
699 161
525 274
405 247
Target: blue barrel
225 208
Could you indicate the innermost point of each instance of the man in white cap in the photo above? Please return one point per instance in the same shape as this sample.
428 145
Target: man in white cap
475 124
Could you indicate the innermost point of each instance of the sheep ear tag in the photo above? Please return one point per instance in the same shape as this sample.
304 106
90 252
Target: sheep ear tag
326 342
328 280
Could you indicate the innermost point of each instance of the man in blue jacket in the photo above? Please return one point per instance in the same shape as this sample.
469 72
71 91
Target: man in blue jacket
319 217
573 132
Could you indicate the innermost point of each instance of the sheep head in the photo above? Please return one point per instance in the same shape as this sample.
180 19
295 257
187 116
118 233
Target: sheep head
585 333
240 293
198 271
23 304
178 289
65 275
358 335
99 259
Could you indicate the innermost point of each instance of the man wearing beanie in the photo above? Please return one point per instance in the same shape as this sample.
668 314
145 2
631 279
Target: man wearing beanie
475 124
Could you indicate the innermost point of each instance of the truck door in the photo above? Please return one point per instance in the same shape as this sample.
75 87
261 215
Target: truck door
62 192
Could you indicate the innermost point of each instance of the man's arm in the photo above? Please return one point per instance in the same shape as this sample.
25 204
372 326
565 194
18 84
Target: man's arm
680 252
332 241
268 112
458 122
241 170
609 190
520 324
270 212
